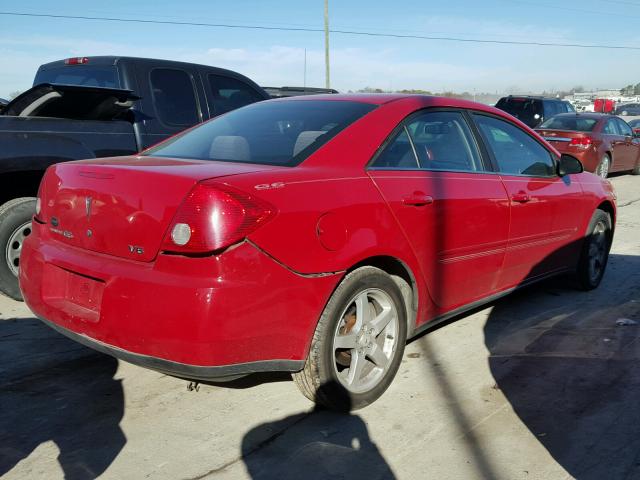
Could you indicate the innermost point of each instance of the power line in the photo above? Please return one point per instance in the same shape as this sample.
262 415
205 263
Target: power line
316 30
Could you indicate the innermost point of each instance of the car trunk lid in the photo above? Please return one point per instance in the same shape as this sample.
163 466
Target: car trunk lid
122 206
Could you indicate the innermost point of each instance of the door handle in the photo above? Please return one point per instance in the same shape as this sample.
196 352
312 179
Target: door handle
417 199
521 197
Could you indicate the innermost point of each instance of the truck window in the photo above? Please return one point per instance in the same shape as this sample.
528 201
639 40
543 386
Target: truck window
174 97
85 75
230 93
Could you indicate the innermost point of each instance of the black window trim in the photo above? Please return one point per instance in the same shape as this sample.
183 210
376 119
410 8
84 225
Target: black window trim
494 161
209 90
196 96
402 125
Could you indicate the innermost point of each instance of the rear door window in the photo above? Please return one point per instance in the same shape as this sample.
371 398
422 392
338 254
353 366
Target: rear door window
515 152
610 128
230 93
435 141
174 97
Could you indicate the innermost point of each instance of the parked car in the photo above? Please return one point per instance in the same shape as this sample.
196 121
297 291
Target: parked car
310 235
532 111
635 126
603 143
628 109
91 107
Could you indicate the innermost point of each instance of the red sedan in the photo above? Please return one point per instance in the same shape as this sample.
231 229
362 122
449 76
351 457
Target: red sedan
603 143
312 235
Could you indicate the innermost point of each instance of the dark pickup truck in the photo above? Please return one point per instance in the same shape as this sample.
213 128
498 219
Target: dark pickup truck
89 107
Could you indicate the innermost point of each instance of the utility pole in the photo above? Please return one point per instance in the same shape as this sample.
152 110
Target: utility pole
327 78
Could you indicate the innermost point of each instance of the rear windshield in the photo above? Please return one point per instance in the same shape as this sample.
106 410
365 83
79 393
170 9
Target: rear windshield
269 133
576 124
524 109
87 75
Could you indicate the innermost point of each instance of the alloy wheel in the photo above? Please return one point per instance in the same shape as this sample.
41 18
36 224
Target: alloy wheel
597 251
603 167
365 340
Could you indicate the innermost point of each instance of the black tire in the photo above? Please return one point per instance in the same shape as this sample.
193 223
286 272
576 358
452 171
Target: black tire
636 169
14 214
319 380
597 242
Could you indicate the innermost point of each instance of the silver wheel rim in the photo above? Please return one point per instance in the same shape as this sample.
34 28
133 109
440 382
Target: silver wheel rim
365 340
14 246
603 167
597 251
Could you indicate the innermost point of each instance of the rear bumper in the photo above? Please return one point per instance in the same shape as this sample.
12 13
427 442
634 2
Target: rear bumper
194 372
235 313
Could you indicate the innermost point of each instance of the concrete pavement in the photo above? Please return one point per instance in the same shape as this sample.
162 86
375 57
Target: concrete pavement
541 385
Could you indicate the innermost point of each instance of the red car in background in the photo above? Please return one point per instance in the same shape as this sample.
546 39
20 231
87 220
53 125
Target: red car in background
603 143
312 235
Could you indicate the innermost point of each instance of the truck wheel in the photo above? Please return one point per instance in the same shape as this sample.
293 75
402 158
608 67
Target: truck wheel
15 226
595 251
358 343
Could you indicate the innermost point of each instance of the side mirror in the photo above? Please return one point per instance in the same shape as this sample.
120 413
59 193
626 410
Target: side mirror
569 165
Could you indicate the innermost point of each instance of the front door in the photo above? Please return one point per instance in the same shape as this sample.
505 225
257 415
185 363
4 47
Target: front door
454 213
545 208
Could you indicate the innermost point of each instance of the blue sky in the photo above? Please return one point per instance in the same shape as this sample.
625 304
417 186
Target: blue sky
277 58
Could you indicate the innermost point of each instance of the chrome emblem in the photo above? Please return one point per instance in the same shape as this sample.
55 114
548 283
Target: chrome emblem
136 249
87 206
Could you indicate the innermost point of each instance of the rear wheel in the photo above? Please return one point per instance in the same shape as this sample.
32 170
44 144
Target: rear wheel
15 226
595 251
358 344
602 170
636 169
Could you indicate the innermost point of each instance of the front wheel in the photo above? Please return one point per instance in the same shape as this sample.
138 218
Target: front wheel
358 343
15 226
595 251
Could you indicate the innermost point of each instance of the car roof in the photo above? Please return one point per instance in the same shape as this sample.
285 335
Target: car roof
384 98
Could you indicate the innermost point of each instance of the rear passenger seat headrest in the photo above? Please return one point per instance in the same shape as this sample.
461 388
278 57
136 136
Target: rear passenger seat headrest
230 147
305 139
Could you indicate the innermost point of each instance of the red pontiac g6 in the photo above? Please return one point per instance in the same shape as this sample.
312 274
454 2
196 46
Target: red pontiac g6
311 235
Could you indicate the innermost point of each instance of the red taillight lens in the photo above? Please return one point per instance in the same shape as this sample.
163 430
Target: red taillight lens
76 61
581 142
214 216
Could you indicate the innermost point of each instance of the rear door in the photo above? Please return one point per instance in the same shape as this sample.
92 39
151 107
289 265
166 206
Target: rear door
544 207
631 146
453 211
171 100
621 154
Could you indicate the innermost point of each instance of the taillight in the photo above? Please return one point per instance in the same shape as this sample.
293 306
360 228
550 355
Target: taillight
38 215
581 142
76 61
214 216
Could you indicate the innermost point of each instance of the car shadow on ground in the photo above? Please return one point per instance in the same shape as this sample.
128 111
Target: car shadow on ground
571 372
51 389
326 445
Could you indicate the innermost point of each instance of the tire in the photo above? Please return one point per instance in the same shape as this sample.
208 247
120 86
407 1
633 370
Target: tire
349 378
595 251
602 170
15 225
624 113
636 169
